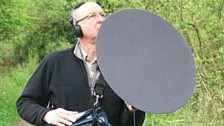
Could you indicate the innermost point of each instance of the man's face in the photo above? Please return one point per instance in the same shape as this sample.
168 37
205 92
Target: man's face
90 16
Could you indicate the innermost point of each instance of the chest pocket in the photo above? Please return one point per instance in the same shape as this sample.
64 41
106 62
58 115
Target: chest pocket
70 95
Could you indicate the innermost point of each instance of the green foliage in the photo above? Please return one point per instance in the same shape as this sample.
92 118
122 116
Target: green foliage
11 21
31 29
52 30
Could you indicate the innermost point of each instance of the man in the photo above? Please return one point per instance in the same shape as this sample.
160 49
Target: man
65 79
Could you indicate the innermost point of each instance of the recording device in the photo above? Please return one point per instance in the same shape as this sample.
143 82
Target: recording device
92 117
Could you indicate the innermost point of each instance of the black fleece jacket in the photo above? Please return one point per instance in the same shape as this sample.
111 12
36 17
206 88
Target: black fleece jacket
61 78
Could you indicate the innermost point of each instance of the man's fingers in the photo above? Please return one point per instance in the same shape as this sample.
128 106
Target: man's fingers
59 121
73 116
64 121
130 107
60 117
56 123
68 116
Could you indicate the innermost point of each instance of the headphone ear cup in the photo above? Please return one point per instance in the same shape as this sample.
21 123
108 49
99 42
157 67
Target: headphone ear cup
78 31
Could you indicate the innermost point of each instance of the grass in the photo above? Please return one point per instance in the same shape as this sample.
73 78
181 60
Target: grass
205 107
12 84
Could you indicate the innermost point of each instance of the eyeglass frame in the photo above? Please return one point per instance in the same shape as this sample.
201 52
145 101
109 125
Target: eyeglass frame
89 16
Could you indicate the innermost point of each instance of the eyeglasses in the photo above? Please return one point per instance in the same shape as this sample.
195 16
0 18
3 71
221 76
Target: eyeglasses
92 17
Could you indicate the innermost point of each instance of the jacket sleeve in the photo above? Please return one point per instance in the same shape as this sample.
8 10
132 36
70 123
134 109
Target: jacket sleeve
31 105
128 118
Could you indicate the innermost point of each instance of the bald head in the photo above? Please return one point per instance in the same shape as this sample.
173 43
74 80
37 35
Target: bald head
84 9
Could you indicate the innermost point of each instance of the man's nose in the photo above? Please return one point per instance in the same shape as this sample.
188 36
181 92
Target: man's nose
101 18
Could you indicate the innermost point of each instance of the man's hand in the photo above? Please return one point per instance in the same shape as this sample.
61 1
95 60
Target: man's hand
130 107
60 117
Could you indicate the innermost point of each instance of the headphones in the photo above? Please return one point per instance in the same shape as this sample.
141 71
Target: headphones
76 27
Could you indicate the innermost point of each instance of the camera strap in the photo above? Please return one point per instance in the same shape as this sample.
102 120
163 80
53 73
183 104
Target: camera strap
95 116
98 89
